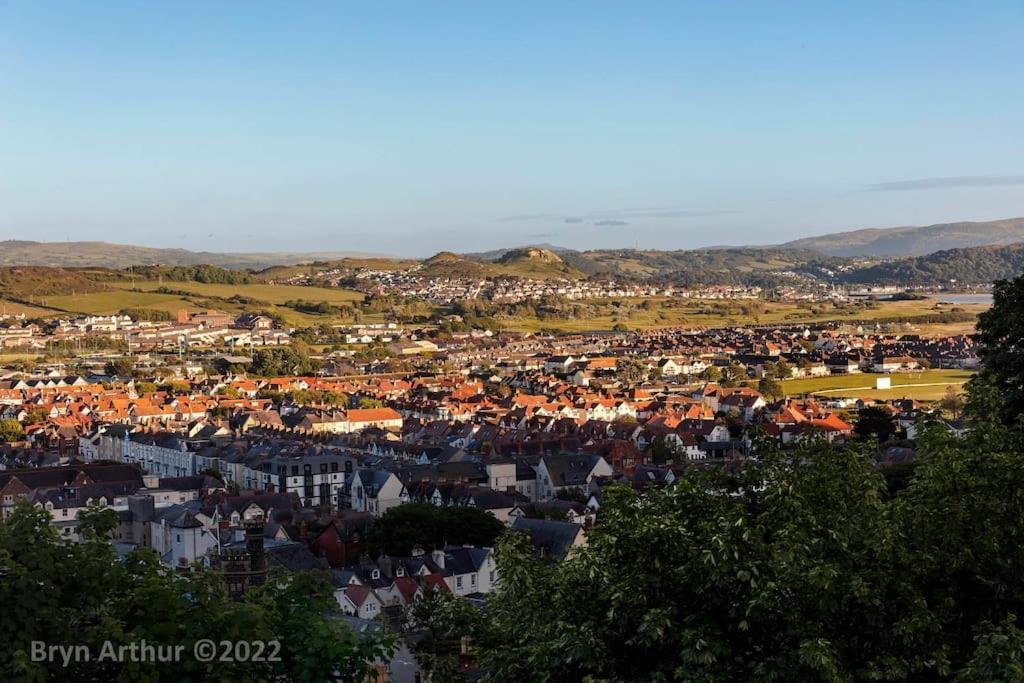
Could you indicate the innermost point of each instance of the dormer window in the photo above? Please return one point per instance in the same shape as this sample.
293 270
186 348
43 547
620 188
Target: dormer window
375 574
400 571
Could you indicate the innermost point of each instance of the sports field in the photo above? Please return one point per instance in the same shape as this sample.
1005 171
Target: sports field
926 385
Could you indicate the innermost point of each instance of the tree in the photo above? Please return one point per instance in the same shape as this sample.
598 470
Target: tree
783 370
401 528
11 430
145 387
711 374
630 370
877 422
1000 331
440 621
121 367
952 402
58 591
799 566
770 388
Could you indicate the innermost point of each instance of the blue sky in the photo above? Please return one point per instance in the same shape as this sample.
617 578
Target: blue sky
407 128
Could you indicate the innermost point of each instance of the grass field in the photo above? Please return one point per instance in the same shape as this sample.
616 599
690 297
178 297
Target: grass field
274 294
927 385
124 295
667 312
14 308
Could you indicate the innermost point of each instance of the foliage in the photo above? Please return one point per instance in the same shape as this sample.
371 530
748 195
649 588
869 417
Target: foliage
199 273
1000 332
799 567
282 361
430 526
631 370
62 592
147 314
11 430
121 367
875 422
441 620
770 388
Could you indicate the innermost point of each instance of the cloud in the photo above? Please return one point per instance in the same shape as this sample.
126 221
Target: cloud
573 219
529 217
609 223
938 183
540 235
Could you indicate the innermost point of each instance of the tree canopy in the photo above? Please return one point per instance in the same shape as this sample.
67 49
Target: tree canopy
796 566
430 526
62 592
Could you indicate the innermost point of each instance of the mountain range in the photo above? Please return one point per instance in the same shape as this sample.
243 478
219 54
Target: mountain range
914 241
934 254
106 254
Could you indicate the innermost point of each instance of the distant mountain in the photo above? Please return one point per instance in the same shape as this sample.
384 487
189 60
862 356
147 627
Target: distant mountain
914 241
105 254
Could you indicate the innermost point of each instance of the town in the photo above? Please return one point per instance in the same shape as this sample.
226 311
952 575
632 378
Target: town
194 432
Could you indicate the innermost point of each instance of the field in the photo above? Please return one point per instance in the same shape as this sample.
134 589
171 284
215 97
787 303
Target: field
927 385
123 295
14 308
274 294
668 312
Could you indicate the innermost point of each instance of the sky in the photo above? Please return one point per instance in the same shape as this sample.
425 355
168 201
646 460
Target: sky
406 128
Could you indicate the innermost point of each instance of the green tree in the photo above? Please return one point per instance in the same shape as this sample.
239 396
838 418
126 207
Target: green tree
1000 331
61 592
440 621
122 367
401 528
711 374
877 422
630 370
770 388
11 430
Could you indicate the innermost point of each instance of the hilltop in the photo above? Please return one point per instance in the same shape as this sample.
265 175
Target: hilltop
914 240
536 262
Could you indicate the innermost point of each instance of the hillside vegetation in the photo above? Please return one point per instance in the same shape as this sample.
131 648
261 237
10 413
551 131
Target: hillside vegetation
967 266
30 283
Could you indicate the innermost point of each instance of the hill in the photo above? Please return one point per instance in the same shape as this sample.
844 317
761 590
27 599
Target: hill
105 254
32 282
914 241
976 265
449 264
536 262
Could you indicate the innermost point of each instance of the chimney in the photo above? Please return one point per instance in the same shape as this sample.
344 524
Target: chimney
438 557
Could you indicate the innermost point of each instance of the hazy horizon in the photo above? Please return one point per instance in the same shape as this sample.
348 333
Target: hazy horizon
411 129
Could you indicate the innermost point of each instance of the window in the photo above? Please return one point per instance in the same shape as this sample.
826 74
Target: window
179 537
458 582
472 579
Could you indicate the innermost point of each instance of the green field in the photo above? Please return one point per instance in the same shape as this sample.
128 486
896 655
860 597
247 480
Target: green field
927 385
274 294
123 295
674 312
14 308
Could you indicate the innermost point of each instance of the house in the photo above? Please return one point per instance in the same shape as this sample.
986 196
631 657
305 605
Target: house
562 473
373 491
551 538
